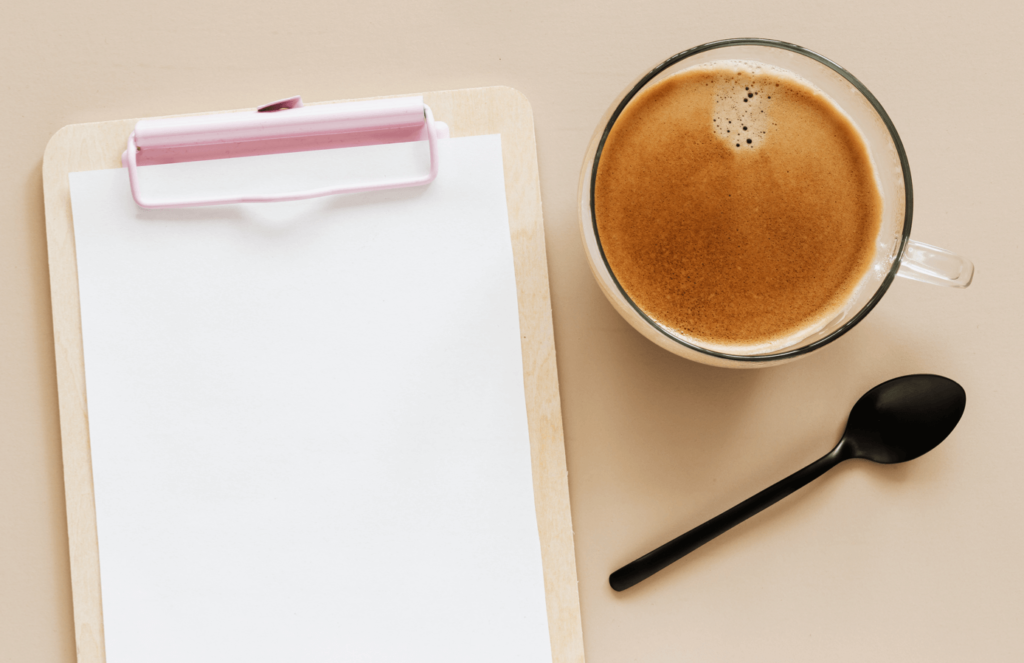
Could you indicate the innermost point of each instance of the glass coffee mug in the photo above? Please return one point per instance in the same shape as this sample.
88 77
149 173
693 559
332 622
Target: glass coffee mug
895 253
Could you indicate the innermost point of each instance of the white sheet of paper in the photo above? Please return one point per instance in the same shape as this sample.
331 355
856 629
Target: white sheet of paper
307 419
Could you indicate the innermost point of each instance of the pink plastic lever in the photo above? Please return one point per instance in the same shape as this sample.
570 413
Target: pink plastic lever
282 126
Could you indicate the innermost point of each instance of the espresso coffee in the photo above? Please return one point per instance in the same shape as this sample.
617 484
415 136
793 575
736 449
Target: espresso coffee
737 204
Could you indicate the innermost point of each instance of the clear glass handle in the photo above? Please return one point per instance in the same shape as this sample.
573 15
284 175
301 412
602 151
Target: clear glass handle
930 264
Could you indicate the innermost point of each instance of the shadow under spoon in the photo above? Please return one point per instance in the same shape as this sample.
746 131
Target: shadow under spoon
896 421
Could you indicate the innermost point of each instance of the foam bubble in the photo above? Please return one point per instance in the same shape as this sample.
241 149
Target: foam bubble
742 115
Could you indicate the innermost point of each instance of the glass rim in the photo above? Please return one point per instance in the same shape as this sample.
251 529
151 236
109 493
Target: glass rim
904 165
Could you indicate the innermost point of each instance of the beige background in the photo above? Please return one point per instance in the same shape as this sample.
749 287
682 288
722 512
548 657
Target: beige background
917 562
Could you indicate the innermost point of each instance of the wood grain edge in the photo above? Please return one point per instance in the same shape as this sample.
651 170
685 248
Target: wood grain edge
543 397
83 547
476 111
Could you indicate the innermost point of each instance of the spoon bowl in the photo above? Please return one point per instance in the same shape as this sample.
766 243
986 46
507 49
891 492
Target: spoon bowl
896 421
904 418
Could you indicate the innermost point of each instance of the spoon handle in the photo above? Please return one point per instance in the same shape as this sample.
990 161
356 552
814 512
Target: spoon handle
659 558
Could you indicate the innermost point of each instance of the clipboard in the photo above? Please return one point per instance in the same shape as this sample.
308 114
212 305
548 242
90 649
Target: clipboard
469 112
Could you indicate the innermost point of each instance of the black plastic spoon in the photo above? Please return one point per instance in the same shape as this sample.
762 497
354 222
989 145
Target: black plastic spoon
896 421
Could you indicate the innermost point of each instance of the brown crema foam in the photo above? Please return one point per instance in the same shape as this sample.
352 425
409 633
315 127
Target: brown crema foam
736 204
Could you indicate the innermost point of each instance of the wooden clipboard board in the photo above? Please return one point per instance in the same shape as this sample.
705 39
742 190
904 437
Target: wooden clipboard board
470 112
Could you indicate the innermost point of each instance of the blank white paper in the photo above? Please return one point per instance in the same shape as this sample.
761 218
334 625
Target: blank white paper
307 419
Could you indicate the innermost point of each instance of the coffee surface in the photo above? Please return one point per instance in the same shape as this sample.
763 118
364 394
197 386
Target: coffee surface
736 204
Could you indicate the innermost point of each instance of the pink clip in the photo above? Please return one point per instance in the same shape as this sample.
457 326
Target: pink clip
281 104
282 126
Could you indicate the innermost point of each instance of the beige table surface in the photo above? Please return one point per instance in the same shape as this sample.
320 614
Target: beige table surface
911 563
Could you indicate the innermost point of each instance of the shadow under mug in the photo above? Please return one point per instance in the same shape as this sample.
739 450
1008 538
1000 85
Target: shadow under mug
895 253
